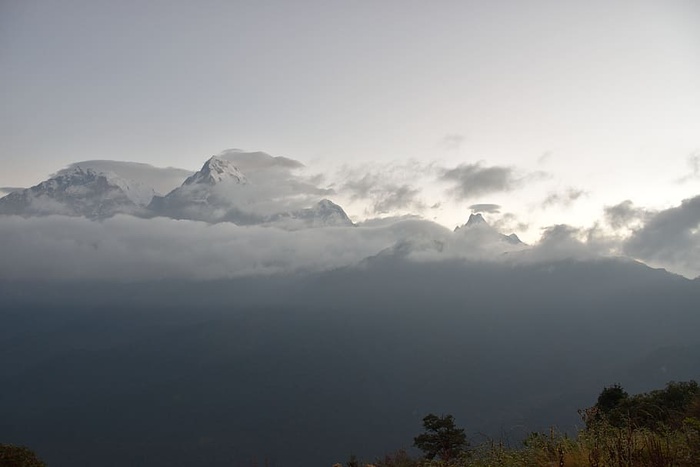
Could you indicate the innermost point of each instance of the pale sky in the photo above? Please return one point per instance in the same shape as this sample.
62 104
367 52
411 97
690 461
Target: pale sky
586 104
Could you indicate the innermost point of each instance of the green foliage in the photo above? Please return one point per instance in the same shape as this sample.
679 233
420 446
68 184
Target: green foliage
397 459
655 410
541 448
611 397
441 438
660 428
694 408
353 461
18 456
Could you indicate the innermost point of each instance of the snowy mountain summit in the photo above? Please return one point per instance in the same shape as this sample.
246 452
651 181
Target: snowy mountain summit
216 170
324 214
475 219
477 225
208 195
79 192
270 194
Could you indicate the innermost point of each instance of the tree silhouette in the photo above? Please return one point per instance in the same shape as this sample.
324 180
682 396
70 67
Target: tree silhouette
441 438
18 456
611 397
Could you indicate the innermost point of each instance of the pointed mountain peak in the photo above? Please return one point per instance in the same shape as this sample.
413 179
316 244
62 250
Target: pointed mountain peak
475 219
513 239
325 203
79 191
477 225
331 213
325 213
216 170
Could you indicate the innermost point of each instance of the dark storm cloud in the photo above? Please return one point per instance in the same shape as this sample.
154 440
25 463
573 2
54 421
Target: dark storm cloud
386 190
397 197
486 207
564 198
625 214
510 222
392 187
469 180
561 241
362 188
670 238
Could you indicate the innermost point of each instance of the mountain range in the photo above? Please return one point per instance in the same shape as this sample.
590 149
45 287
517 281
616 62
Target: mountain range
79 192
129 338
218 192
243 188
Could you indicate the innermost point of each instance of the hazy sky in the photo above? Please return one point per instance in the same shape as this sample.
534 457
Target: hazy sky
562 107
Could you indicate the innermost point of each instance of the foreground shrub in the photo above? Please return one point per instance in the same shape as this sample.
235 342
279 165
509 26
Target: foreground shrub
18 456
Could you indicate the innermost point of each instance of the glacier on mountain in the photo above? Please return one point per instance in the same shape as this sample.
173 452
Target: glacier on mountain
79 192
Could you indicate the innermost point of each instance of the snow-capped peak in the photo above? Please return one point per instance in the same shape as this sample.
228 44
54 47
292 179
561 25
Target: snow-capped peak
328 206
137 192
477 225
77 191
325 213
216 170
475 219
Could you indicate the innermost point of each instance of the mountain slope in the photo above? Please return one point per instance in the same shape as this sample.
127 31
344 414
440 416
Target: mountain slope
324 214
79 192
265 367
162 179
207 195
220 192
477 225
216 170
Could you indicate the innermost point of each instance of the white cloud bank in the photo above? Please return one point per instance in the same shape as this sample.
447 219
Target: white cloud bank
127 248
130 248
161 179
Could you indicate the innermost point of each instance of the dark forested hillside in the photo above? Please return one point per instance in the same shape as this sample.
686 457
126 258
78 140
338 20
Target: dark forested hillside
301 369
